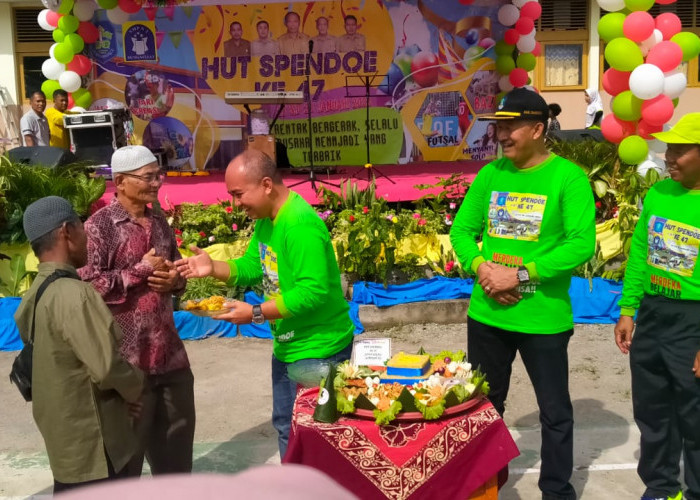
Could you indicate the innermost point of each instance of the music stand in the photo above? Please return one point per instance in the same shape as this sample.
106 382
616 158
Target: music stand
367 84
312 172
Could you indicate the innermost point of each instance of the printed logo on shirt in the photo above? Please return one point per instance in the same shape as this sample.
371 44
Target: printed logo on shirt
665 286
514 261
286 337
516 216
271 279
673 246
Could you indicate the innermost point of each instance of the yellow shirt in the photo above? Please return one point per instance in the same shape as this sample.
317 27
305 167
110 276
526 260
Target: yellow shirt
59 137
297 43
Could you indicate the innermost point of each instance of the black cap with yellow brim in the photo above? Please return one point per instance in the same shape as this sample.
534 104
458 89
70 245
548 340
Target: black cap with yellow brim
520 104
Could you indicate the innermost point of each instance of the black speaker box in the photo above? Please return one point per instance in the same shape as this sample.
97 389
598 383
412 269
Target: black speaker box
45 156
578 135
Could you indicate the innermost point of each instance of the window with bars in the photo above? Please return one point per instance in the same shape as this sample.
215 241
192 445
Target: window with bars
27 28
31 49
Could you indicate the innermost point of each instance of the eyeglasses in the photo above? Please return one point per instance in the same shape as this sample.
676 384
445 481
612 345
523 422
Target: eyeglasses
149 178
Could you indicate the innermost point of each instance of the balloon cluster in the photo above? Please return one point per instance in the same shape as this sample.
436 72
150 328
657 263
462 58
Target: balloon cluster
644 54
517 53
72 28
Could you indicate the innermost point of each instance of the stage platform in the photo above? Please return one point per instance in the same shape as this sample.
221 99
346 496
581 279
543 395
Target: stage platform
211 188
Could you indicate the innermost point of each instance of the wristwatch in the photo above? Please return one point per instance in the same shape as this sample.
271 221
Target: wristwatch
258 317
523 274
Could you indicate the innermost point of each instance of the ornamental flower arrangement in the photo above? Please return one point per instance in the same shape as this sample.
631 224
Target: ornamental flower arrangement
197 224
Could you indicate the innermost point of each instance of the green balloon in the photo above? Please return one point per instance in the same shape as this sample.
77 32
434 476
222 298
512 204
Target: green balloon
610 26
75 42
107 4
505 64
503 49
689 44
58 35
623 54
526 61
82 98
68 24
627 106
635 5
676 101
63 53
66 7
633 150
500 96
49 87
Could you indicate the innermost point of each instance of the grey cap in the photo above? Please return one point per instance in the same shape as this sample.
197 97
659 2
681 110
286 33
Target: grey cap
130 158
45 215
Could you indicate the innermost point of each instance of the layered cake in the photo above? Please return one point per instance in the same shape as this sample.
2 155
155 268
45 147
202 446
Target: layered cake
407 369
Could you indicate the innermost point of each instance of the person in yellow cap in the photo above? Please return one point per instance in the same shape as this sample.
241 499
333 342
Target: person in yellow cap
662 286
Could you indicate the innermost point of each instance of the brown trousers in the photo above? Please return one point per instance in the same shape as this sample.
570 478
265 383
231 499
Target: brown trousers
166 427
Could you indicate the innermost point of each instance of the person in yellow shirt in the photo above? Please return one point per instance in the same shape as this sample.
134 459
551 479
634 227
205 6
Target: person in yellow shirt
59 138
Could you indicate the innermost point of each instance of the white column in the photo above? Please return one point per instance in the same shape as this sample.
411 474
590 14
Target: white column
8 77
593 45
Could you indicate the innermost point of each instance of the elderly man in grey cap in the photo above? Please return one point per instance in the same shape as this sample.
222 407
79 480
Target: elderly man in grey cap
131 249
80 383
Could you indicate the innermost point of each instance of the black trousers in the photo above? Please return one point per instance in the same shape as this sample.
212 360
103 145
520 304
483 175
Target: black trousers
666 394
547 364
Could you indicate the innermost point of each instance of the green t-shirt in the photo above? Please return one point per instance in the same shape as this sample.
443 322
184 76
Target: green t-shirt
293 257
542 218
664 254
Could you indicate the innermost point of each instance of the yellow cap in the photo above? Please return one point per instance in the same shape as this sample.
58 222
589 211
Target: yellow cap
686 131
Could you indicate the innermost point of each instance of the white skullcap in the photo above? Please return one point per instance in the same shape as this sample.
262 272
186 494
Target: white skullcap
130 158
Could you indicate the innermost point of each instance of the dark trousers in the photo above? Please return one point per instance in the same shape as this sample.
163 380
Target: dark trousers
546 361
666 394
166 427
59 487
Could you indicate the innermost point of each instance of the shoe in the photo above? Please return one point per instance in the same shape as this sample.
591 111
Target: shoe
678 496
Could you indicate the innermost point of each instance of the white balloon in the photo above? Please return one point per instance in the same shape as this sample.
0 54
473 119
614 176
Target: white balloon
508 14
647 165
657 146
117 16
647 81
51 49
69 81
675 83
611 5
52 69
43 23
84 10
504 84
649 43
51 4
78 109
519 3
526 44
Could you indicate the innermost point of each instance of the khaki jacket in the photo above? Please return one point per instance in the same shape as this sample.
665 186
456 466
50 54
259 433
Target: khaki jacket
79 380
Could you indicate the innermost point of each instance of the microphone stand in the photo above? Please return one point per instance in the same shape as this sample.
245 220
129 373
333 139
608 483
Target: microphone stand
312 172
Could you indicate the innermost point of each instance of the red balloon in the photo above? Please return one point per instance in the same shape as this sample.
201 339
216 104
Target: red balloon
80 64
129 6
466 2
424 69
666 55
511 36
518 77
52 18
71 102
658 110
645 129
665 2
668 24
88 32
614 129
537 50
615 81
638 26
533 10
524 25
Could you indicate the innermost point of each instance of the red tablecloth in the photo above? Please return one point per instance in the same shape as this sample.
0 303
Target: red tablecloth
447 458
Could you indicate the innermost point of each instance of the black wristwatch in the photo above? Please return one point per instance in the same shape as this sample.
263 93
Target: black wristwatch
258 317
523 275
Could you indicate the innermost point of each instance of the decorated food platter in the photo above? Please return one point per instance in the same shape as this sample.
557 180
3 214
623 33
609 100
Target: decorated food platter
210 307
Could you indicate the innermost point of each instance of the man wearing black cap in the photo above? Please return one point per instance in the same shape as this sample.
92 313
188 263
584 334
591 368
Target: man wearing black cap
80 383
533 212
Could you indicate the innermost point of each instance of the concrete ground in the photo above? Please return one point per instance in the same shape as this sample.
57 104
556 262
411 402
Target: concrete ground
233 399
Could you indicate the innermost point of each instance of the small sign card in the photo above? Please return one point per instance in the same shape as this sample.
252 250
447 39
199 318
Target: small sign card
372 352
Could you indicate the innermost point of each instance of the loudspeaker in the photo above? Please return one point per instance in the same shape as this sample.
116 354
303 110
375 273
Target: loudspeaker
45 156
578 135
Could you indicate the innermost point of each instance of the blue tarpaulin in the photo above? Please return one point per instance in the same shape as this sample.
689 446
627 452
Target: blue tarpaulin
598 304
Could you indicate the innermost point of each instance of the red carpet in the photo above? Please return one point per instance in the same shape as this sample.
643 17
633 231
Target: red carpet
210 189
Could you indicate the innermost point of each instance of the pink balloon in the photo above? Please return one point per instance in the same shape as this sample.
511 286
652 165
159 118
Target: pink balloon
518 77
511 36
88 32
80 64
614 129
666 55
129 6
615 82
668 24
658 110
538 49
645 129
665 2
533 10
638 26
52 18
524 25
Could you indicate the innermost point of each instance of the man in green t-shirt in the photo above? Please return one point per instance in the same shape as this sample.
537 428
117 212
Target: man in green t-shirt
534 215
662 283
291 254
